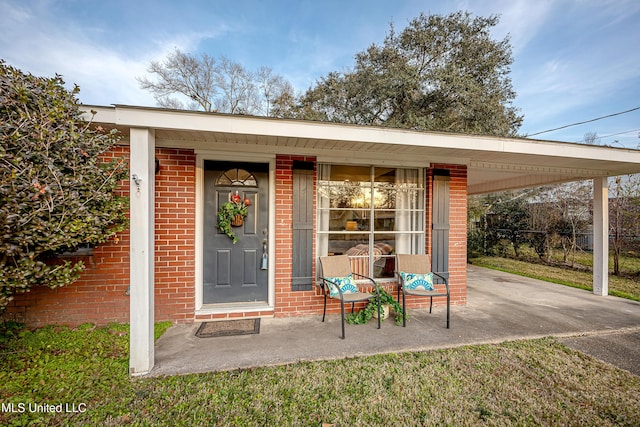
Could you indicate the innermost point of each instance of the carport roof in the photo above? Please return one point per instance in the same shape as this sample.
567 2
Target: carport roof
493 163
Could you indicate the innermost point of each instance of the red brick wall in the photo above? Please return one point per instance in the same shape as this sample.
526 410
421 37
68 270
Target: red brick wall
100 296
457 230
289 302
175 213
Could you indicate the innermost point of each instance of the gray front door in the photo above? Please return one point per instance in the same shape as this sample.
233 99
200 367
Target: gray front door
235 272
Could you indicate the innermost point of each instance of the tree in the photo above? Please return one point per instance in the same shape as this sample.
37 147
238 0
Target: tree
560 213
213 84
441 73
236 86
56 193
624 212
507 218
544 223
477 209
274 89
571 200
591 138
183 74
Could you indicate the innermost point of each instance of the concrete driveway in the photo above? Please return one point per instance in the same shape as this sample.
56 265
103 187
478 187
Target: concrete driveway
500 307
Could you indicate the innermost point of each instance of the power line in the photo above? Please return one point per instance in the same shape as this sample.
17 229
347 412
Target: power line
586 121
614 134
619 133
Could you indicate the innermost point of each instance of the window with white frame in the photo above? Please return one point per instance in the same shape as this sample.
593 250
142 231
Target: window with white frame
370 213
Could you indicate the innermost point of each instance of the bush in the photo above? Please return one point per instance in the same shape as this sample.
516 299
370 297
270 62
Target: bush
475 243
56 193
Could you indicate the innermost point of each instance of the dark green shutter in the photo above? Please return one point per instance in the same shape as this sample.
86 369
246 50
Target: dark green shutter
302 279
440 227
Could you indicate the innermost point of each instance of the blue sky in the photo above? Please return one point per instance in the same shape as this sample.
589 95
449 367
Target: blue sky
574 60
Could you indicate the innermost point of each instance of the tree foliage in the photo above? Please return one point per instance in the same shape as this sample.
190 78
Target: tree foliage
507 219
441 73
214 84
56 193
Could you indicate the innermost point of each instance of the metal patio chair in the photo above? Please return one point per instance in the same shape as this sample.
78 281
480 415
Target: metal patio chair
419 265
334 270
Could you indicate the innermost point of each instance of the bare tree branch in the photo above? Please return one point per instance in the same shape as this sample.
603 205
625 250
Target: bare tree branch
212 84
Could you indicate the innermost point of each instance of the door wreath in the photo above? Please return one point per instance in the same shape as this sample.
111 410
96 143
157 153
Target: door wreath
232 214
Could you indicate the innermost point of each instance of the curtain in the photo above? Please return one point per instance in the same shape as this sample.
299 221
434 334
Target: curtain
407 210
324 202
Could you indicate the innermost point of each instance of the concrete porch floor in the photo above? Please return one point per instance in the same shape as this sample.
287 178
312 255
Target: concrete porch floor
500 307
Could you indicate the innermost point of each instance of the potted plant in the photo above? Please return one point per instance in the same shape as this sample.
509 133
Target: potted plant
232 214
371 310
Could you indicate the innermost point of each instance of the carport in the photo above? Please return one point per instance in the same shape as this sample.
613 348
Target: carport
515 164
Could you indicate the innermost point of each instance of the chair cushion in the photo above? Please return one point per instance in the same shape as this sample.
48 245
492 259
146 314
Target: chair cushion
413 281
347 285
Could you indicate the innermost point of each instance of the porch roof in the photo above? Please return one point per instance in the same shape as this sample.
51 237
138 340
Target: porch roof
494 163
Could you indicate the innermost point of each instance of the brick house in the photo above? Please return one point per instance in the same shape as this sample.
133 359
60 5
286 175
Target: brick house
315 189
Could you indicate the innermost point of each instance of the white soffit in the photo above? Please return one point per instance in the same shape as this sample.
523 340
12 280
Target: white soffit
494 163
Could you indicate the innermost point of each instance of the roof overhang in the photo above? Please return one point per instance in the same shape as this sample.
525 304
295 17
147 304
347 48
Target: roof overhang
493 163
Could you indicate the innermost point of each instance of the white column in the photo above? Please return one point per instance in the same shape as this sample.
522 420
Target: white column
601 236
141 250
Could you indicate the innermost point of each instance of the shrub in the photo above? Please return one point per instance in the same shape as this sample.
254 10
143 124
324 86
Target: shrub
56 191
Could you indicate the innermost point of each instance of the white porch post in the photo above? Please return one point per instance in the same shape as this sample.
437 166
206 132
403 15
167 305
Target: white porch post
141 250
601 236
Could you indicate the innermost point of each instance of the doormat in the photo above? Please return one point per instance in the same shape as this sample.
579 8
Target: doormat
226 328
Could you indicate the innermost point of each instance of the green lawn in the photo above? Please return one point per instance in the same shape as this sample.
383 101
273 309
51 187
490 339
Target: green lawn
539 382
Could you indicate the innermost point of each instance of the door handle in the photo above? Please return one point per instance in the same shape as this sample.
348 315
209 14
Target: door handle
264 264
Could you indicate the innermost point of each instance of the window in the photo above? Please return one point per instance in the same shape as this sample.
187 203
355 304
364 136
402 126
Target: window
370 214
236 177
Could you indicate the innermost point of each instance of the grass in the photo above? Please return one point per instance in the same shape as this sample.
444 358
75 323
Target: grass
538 382
627 285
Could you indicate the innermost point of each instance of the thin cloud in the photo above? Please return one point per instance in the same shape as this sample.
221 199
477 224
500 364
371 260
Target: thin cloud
35 42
